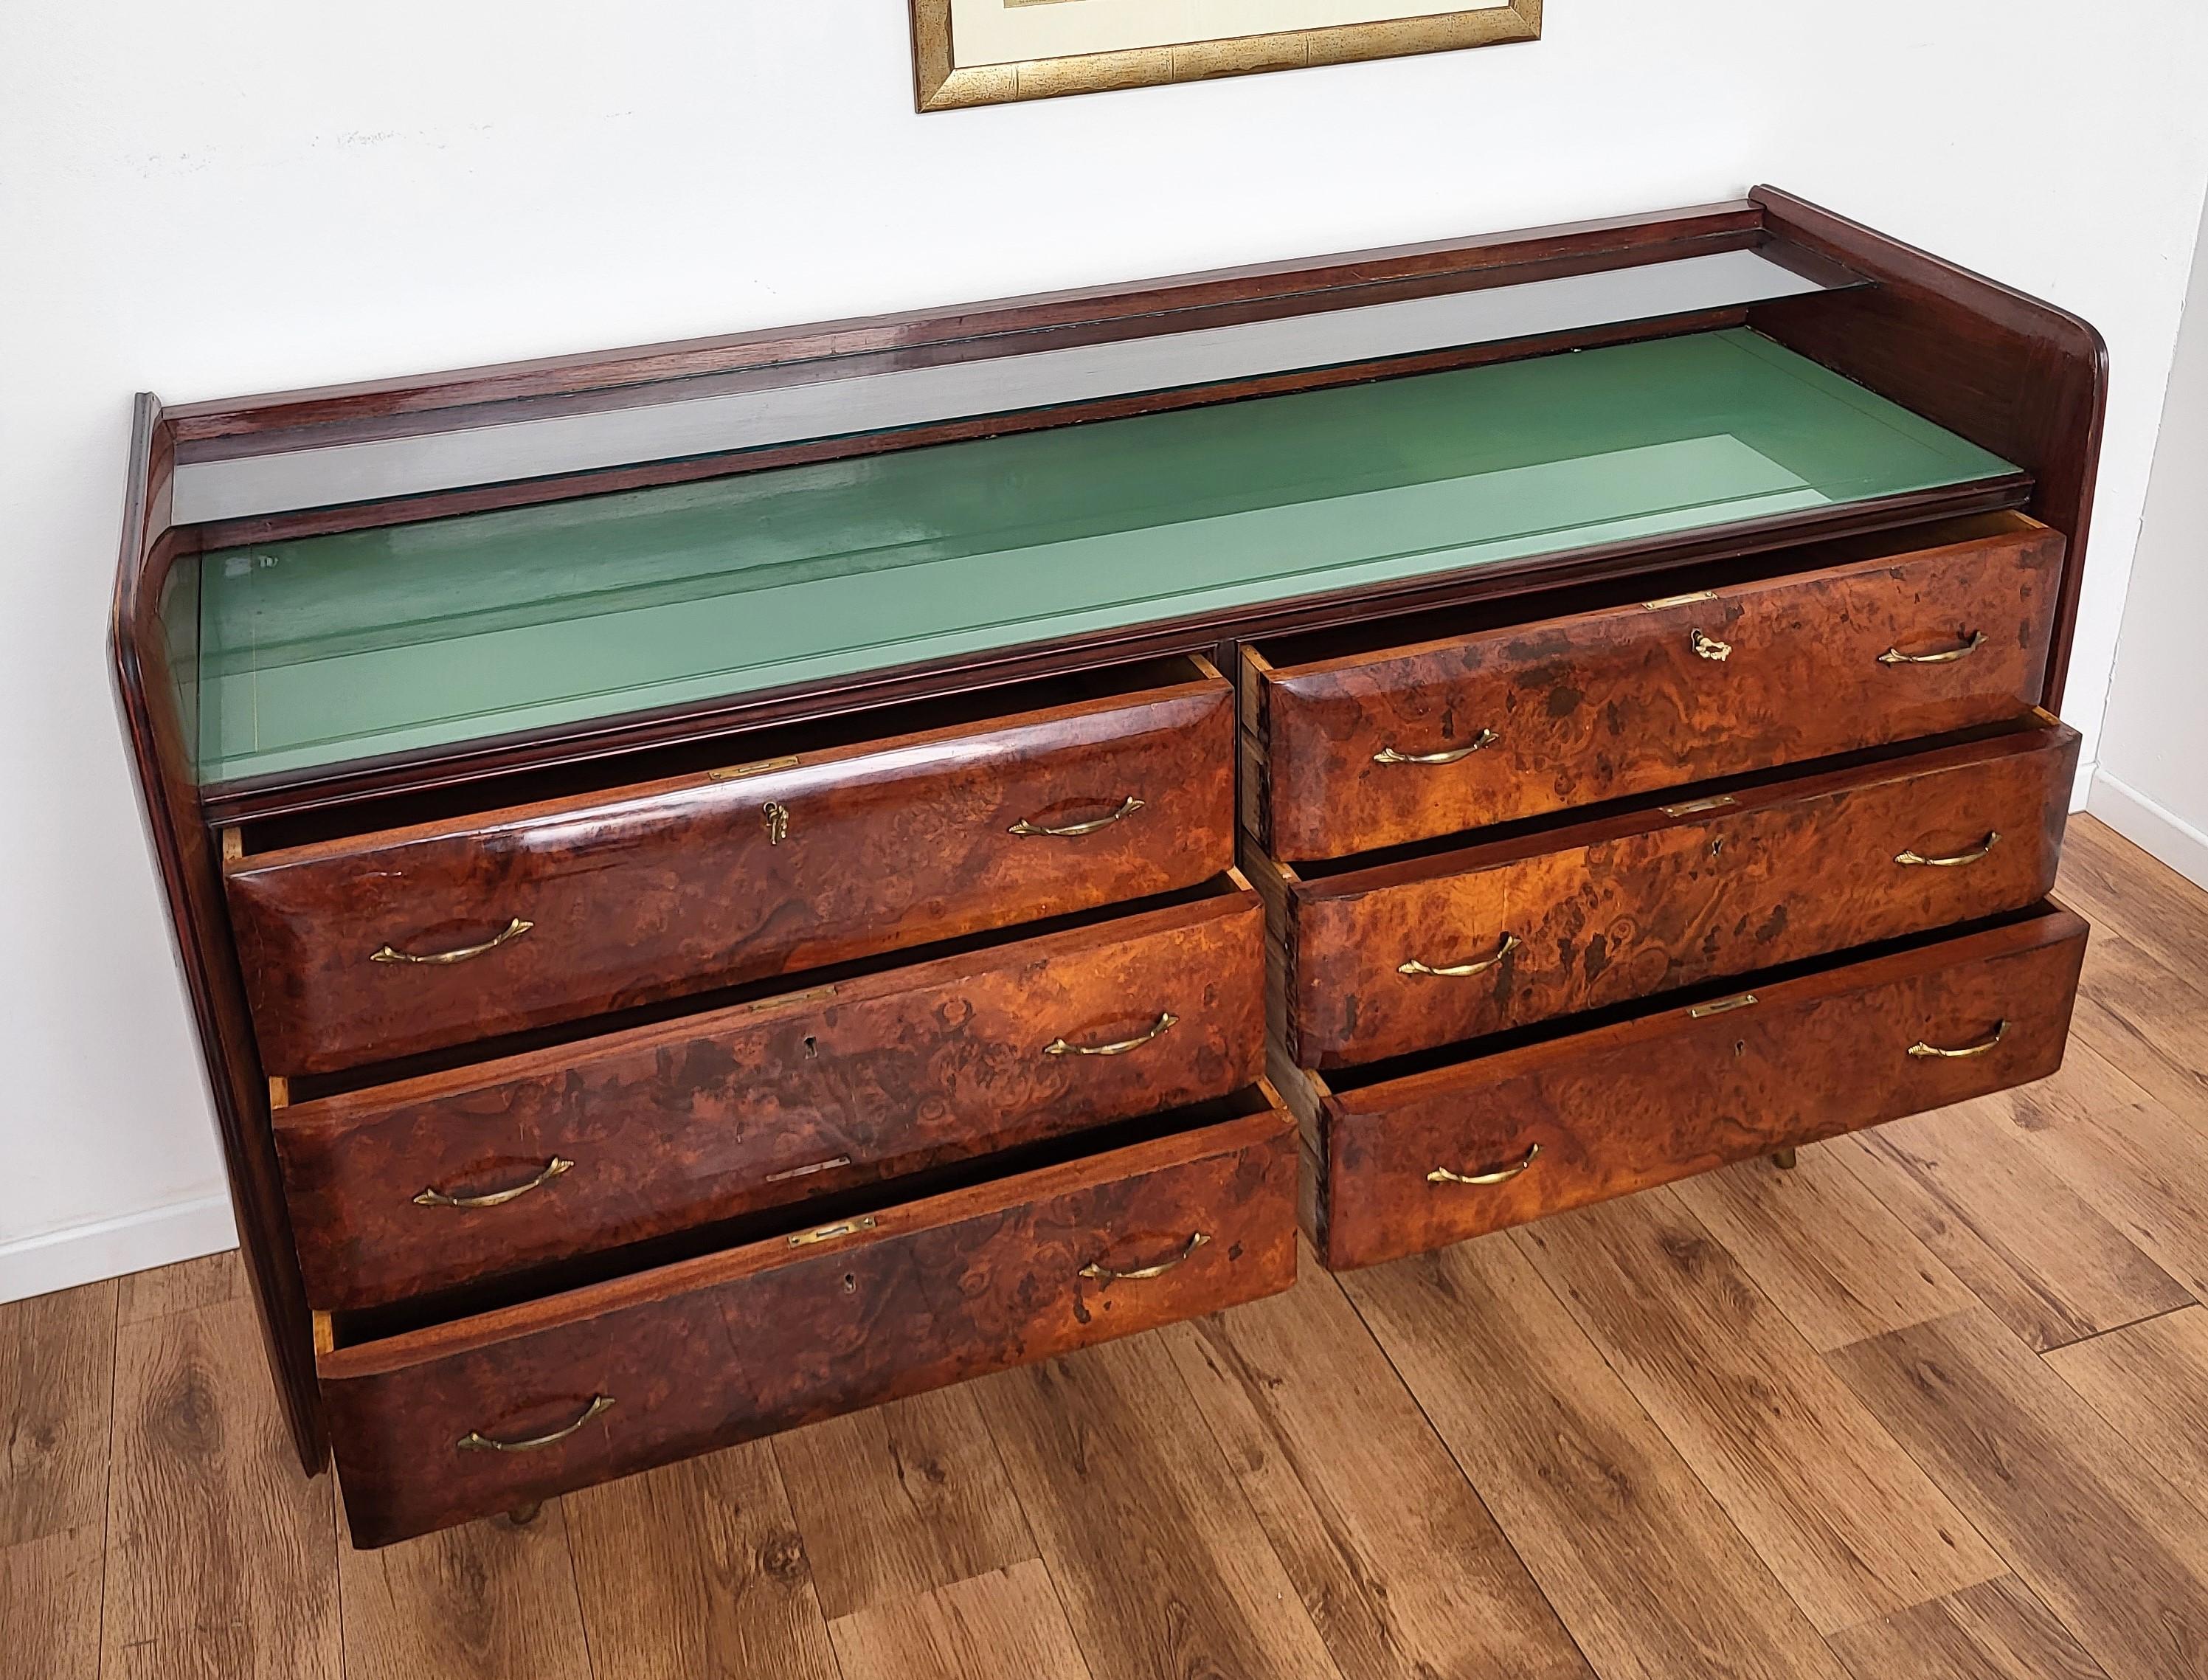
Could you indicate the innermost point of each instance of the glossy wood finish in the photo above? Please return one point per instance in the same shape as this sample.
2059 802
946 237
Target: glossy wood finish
678 886
2019 377
795 1094
732 1346
1664 1096
1635 699
1625 907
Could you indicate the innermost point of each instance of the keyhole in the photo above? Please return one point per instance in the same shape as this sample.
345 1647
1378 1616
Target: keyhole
1717 845
1740 1046
774 815
812 1047
851 1283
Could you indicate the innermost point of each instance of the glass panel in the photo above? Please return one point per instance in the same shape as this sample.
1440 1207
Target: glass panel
824 402
331 648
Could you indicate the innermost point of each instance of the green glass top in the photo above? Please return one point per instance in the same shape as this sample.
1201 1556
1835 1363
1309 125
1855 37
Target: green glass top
331 648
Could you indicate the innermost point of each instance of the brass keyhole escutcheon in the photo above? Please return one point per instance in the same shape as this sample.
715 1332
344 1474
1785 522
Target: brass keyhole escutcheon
775 816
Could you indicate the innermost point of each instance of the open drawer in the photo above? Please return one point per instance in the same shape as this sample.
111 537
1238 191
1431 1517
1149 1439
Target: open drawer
1385 957
1412 1156
1357 747
822 846
435 1423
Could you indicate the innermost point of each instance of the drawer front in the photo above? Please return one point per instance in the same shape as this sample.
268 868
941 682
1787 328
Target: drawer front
1436 1157
578 907
403 1189
1371 751
668 1363
1412 956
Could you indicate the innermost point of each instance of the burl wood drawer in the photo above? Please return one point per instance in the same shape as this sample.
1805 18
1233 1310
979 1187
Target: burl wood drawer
1411 1161
437 1425
401 1189
1378 748
1422 951
364 949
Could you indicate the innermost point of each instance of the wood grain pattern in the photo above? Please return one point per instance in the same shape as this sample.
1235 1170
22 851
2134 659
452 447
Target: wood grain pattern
2028 1247
2135 895
1006 1621
50 1593
206 1281
2109 1547
57 1374
220 1552
1997 1631
1666 1094
1643 1567
1667 897
710 1352
795 1094
900 1499
1830 1254
1397 1563
1162 1566
677 886
698 1568
1851 1528
1606 704
2147 1381
494 1600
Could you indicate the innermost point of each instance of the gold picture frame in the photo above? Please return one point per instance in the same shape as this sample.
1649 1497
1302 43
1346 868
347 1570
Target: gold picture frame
941 83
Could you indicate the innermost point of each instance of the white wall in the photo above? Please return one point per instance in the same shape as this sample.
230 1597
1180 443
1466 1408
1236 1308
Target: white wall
2153 779
236 195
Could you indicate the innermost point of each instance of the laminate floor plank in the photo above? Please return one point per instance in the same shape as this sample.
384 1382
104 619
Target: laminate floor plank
1995 1631
222 1557
488 1600
697 1569
1646 1570
208 1281
2142 1166
1163 1568
2150 1382
49 1591
1837 1261
1398 1564
2111 1548
2115 884
1008 1621
900 1498
2149 1018
2027 1244
1839 1513
57 1380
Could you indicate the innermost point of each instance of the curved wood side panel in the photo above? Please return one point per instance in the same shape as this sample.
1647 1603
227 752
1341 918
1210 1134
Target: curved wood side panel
1608 705
793 1096
1633 906
688 884
1604 1113
739 1345
2019 377
191 881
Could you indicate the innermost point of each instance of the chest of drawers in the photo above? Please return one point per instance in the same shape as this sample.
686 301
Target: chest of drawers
728 883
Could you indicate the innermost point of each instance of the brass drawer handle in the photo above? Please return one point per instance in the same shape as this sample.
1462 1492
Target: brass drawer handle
1709 647
1922 1050
476 1442
1388 755
514 929
434 1198
1974 855
1058 1046
1492 1175
1894 656
1100 1273
1126 810
1415 967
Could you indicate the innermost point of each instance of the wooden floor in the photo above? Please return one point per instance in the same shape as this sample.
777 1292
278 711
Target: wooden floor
1934 1404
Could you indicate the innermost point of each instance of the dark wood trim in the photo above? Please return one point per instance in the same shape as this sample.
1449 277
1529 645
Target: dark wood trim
567 745
1609 241
2022 378
183 849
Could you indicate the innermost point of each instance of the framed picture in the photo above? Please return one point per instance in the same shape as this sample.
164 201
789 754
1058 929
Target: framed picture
969 53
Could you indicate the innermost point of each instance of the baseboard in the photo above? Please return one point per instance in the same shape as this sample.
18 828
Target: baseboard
2081 787
2154 830
111 1247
